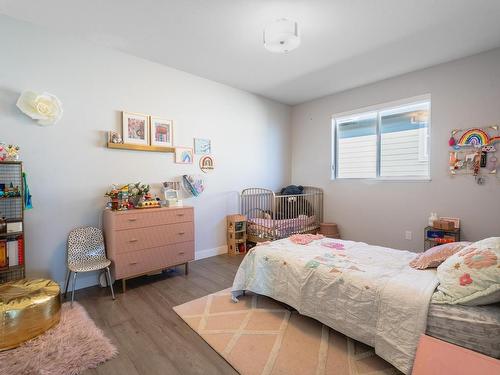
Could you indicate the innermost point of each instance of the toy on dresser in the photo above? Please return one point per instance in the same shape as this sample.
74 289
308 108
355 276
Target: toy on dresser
171 193
149 203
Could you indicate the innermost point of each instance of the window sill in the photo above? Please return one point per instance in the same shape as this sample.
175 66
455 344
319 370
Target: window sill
382 179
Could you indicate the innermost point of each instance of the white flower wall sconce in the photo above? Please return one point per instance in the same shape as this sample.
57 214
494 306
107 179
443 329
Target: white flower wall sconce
45 108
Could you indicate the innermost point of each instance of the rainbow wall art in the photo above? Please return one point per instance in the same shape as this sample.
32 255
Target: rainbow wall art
474 137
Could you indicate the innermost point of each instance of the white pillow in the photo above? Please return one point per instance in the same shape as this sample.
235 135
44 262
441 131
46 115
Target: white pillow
471 276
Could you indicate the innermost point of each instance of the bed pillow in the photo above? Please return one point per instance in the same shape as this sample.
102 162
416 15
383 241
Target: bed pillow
471 276
437 255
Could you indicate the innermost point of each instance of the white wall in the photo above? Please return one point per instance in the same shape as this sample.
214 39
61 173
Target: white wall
69 168
465 93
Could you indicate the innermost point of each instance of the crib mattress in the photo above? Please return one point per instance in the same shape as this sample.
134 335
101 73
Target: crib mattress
473 327
281 228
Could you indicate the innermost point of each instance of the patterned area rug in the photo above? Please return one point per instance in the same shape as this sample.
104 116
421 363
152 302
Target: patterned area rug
261 336
69 348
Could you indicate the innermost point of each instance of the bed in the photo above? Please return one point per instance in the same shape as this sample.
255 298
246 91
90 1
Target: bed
366 292
272 216
472 327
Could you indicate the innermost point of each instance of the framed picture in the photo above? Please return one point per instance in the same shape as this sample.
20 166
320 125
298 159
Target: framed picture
184 155
202 146
135 128
162 132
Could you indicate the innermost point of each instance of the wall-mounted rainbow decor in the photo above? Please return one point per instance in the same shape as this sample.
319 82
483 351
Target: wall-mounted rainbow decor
473 152
474 137
207 163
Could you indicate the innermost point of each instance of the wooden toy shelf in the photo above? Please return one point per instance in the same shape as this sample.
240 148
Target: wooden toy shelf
128 146
236 234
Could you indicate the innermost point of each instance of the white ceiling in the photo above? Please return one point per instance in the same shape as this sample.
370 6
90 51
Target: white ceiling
345 43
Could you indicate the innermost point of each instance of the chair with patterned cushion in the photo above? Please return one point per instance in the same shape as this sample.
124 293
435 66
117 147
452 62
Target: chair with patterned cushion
86 253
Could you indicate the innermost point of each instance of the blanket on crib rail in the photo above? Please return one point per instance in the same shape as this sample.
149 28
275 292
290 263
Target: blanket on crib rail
366 292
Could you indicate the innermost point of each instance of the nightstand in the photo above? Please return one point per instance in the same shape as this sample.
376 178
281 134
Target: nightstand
435 237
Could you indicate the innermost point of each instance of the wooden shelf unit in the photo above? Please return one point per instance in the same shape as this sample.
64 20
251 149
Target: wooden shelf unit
431 242
236 234
129 146
12 208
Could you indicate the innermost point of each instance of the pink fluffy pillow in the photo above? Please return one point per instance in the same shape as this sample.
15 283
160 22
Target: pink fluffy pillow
437 255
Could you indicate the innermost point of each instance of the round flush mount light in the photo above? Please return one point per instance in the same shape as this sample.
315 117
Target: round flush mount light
282 36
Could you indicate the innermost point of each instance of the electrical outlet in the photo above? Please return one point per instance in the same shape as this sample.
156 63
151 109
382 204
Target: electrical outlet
408 235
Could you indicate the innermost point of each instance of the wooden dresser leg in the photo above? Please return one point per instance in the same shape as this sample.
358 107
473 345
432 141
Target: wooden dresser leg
124 285
187 267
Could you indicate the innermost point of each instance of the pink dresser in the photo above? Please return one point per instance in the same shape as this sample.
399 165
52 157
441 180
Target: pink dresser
141 241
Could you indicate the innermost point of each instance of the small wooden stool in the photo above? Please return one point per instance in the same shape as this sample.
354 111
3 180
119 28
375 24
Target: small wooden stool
329 230
27 309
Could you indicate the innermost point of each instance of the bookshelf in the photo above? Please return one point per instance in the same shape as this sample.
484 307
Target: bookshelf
12 262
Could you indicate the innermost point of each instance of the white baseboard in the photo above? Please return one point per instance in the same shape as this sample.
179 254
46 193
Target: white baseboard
91 279
201 254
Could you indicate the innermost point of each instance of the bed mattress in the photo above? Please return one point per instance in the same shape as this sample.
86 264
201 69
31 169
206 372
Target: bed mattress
473 327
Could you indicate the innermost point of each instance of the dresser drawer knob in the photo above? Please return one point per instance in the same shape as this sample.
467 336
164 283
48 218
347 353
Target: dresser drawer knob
132 219
132 263
180 214
181 233
181 252
133 240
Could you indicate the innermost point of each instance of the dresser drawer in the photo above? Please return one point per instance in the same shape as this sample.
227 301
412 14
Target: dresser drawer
181 253
139 262
145 238
144 261
140 219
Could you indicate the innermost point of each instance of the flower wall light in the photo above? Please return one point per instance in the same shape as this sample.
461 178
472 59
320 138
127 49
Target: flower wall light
44 107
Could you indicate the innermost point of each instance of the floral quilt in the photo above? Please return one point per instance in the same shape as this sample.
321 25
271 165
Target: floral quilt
369 293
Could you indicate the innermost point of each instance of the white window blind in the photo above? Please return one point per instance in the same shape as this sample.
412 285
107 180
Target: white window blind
357 146
388 143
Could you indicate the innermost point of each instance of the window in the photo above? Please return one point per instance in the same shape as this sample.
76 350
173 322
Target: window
387 142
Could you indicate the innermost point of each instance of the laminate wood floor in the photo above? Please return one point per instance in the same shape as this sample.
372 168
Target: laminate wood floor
149 335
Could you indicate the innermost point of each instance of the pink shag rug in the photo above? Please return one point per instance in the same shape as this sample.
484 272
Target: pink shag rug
69 348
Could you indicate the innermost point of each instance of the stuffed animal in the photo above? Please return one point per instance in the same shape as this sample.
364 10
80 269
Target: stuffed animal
293 206
292 190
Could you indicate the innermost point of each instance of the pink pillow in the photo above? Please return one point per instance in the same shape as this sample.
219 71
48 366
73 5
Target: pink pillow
437 255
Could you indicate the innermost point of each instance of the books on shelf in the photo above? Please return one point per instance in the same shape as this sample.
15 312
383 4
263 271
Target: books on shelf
4 260
13 253
20 250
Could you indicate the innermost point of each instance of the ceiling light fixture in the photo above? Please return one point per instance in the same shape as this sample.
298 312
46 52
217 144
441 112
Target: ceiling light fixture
282 36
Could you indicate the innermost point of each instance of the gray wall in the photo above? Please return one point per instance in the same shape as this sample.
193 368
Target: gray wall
69 168
465 93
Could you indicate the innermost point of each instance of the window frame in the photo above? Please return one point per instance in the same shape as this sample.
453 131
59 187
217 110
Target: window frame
379 108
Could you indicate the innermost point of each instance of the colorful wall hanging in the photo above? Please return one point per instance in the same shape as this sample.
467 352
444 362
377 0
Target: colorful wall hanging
474 151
